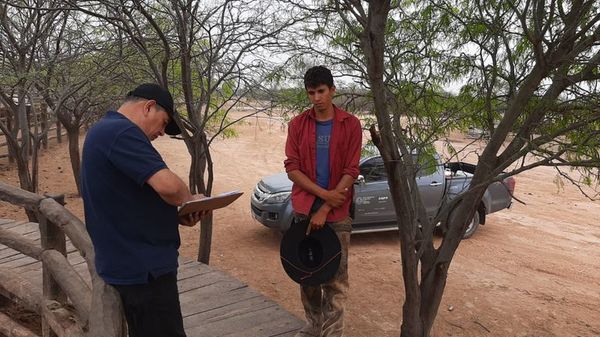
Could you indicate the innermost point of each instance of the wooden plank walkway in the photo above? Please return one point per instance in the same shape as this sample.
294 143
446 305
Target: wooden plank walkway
213 303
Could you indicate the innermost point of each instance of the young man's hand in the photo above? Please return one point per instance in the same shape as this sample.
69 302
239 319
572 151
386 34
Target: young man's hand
335 198
317 220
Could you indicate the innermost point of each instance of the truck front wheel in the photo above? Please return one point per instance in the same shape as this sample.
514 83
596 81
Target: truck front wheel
472 226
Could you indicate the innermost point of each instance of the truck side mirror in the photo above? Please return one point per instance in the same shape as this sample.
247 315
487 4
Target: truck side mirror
360 180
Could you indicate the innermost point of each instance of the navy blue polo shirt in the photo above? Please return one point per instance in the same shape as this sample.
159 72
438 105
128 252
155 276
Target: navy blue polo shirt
134 231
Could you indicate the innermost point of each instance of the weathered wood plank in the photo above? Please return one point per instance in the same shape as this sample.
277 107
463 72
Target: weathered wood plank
198 301
250 318
53 239
68 281
213 282
33 237
19 197
106 318
70 225
10 328
74 257
7 253
229 306
83 271
7 223
34 274
226 313
29 230
24 227
18 242
192 270
278 326
20 289
17 261
14 259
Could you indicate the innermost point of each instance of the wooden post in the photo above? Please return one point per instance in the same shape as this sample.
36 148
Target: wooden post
78 292
51 237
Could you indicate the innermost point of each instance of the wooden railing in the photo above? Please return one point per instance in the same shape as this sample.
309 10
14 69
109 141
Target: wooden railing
67 305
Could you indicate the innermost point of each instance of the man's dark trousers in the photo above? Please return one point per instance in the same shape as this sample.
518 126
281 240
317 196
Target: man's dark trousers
152 309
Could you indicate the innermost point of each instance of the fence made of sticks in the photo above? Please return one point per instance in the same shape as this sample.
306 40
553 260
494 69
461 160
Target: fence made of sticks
67 304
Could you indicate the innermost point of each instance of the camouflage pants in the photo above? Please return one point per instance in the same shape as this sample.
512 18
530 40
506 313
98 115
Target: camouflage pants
324 304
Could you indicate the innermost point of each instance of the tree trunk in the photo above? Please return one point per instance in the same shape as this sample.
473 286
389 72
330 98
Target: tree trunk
432 289
33 117
10 127
73 137
198 151
44 121
200 155
23 123
58 132
24 177
373 44
433 282
204 245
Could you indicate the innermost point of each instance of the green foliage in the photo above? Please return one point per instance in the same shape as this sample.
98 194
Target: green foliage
229 133
369 150
426 160
474 30
290 100
228 88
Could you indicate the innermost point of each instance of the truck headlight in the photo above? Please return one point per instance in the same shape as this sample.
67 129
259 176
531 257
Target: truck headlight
278 198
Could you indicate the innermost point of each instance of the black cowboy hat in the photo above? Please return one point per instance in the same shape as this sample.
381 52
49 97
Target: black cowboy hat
310 259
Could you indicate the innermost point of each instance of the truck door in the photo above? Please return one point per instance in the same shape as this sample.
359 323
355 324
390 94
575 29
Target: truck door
372 199
431 182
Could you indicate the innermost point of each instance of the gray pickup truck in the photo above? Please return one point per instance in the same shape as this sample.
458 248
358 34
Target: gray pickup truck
373 210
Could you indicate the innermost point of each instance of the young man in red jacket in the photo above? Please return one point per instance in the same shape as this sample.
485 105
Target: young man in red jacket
323 150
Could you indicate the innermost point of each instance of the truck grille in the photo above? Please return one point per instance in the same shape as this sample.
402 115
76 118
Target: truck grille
259 193
256 211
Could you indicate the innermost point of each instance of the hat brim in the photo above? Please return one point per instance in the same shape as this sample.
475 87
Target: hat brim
172 129
293 263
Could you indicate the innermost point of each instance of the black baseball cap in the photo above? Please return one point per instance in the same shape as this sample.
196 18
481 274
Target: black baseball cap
310 259
163 98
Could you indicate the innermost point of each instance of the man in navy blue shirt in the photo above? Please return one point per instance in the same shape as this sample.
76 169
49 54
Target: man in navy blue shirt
130 200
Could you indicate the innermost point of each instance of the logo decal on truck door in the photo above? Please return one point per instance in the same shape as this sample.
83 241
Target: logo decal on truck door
363 200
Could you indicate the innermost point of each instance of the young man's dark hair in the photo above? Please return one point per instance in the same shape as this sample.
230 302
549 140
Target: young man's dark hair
316 76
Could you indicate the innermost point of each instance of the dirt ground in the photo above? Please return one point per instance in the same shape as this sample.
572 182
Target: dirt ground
532 270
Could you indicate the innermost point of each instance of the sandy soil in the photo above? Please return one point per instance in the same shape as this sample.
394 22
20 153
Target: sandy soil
533 270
